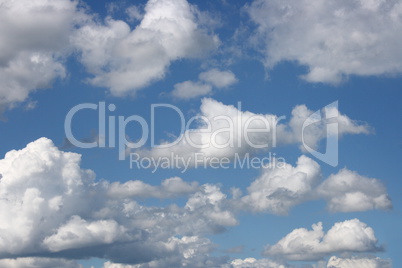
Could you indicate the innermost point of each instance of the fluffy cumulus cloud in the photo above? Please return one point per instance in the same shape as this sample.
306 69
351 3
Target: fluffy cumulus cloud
348 191
208 80
302 244
51 207
335 262
227 131
126 60
333 38
218 133
39 35
35 40
279 189
40 195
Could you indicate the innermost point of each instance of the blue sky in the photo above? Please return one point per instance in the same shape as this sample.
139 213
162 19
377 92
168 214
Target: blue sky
66 206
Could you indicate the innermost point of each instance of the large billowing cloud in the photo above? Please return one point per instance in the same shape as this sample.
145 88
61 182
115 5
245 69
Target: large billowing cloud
333 38
34 42
221 134
126 60
46 189
302 244
51 207
226 131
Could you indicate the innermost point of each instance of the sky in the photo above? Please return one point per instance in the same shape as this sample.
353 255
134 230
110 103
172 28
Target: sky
214 133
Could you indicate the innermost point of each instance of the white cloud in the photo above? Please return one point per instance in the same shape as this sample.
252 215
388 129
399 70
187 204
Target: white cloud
210 203
224 123
171 187
35 39
134 13
193 248
225 131
47 185
126 60
254 263
30 262
279 189
25 73
332 38
217 78
237 263
313 133
189 90
51 207
39 35
109 264
207 80
335 262
348 191
78 233
302 244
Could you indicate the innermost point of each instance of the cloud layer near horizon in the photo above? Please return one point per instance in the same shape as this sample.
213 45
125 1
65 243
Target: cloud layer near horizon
51 207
